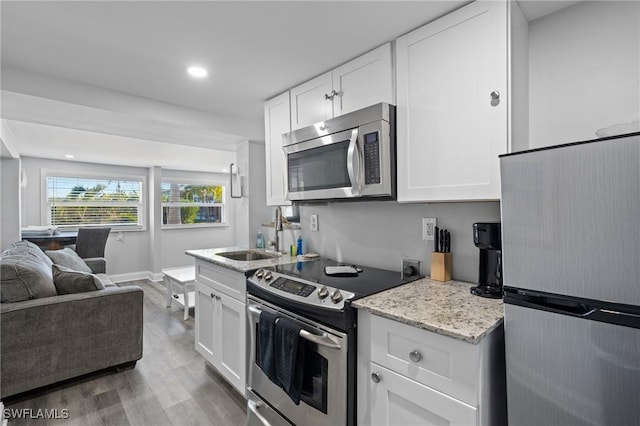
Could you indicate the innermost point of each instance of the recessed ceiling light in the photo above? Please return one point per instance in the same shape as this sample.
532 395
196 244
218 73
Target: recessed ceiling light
197 72
69 156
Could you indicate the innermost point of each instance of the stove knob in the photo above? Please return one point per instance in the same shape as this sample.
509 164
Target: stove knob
268 276
323 292
260 274
336 296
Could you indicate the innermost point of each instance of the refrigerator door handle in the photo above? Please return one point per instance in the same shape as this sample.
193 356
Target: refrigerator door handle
610 316
574 308
550 304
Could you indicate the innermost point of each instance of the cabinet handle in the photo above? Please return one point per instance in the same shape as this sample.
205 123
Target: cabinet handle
495 98
375 377
212 295
415 356
331 95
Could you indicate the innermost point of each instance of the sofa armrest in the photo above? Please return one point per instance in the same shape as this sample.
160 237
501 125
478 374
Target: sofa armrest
98 265
51 339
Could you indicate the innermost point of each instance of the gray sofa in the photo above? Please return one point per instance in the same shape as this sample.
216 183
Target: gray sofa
51 333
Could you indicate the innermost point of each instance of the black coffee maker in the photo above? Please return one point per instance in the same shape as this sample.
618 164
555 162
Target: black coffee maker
487 237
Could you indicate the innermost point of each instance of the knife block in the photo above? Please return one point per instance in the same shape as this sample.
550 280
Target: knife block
440 266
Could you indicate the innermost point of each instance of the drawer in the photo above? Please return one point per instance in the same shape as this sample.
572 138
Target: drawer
440 362
227 281
397 400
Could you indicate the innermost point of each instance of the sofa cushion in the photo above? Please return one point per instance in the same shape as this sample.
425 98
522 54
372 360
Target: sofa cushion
24 276
69 258
105 280
68 281
28 247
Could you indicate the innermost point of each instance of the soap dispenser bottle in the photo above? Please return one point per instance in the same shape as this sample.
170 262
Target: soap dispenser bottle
260 240
299 246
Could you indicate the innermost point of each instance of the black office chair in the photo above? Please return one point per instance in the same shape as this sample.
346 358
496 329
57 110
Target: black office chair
90 246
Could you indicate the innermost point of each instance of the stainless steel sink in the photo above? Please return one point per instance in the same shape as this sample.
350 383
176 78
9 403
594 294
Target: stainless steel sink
248 255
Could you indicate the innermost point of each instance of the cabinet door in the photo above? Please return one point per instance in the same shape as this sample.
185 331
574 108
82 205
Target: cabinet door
231 335
277 121
309 104
397 400
365 81
204 319
450 129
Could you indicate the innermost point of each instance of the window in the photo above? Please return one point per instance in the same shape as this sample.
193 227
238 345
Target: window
86 201
192 204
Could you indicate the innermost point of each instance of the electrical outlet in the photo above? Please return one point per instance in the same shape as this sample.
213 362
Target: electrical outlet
314 222
429 228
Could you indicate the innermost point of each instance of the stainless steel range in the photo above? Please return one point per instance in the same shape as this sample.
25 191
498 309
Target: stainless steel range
316 296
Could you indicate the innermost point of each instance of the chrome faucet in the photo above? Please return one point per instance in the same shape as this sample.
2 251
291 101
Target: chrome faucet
278 224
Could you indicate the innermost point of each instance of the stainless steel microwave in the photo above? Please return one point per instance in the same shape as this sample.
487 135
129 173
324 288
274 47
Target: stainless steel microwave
347 157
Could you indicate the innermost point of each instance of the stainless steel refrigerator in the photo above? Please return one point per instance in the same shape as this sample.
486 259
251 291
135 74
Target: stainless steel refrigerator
571 270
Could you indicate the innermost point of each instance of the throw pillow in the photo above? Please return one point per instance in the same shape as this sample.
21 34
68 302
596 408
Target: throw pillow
68 281
24 276
69 258
25 246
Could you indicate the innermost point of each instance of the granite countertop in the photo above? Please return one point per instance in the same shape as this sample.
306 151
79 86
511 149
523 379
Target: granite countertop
444 308
209 255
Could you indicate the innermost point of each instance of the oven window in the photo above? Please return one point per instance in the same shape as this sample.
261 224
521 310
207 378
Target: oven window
324 167
315 378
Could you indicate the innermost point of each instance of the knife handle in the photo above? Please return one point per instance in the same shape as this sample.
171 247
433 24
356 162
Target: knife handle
437 240
447 241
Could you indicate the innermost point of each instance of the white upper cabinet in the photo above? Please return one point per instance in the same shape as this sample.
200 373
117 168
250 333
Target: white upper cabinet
364 81
311 102
277 121
452 105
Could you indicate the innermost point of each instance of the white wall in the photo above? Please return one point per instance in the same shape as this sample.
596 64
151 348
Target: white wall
135 252
126 256
10 205
584 71
259 212
176 241
381 233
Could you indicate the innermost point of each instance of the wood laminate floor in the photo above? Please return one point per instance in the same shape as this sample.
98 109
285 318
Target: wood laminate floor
170 385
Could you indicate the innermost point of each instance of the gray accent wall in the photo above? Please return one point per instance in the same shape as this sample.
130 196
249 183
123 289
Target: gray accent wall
381 233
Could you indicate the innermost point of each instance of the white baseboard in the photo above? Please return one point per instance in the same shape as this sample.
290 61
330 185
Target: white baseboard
132 276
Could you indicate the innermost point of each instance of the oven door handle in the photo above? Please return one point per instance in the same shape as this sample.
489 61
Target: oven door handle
323 339
254 406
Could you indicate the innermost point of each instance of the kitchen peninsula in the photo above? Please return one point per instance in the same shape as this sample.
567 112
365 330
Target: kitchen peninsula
428 349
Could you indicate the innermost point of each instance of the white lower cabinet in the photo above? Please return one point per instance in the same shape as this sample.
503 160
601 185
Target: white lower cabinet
410 376
221 321
398 400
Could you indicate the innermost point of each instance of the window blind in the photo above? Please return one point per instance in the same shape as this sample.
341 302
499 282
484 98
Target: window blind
82 201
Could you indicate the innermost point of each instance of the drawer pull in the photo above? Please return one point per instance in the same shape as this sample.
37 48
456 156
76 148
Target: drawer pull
375 377
415 356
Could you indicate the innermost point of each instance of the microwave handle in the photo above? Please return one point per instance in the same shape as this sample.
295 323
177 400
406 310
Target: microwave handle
352 153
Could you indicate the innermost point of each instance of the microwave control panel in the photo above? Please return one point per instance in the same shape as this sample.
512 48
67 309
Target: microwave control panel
371 158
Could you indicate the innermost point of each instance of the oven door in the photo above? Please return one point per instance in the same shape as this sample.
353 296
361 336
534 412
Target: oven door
323 399
325 167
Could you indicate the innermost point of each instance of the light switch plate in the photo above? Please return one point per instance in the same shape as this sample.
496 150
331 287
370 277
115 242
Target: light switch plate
314 222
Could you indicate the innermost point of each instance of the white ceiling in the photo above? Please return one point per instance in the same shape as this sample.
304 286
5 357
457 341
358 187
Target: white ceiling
129 60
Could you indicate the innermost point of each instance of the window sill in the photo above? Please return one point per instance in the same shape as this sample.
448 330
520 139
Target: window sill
196 226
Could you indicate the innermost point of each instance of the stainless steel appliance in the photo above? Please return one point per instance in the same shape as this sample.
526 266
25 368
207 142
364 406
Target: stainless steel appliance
571 259
321 305
486 236
350 156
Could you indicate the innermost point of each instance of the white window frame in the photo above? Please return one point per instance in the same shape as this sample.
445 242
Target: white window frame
198 182
142 204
